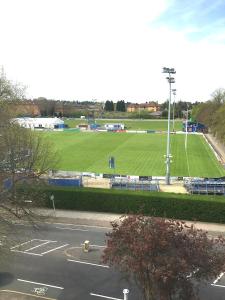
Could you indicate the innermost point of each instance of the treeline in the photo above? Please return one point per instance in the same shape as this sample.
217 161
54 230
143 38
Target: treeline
212 114
49 107
119 106
179 108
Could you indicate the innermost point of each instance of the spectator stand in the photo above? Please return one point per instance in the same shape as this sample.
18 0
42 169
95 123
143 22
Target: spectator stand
206 186
126 183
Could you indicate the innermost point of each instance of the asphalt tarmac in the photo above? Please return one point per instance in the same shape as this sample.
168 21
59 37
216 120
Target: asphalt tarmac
48 262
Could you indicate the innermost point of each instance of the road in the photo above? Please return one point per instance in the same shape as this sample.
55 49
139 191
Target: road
49 262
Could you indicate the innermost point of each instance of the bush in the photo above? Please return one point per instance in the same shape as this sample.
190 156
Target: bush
170 205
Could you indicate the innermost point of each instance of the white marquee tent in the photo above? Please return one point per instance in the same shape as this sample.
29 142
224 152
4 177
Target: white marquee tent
45 123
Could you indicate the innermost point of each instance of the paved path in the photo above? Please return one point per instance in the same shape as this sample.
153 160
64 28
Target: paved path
104 219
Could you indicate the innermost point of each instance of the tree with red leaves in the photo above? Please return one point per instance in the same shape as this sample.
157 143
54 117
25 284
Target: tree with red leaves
166 258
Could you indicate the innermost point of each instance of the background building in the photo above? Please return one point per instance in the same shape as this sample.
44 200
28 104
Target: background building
148 106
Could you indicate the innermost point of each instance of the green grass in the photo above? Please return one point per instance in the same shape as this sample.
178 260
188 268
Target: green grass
135 154
160 125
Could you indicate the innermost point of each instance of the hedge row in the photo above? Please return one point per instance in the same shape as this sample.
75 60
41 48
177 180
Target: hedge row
179 206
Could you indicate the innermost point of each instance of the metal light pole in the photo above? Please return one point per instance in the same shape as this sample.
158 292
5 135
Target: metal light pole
171 80
186 128
174 94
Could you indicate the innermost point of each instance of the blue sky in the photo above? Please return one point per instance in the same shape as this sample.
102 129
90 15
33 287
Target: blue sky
114 49
197 19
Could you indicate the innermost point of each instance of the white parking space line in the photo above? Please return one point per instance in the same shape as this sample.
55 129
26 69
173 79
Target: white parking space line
87 263
44 284
218 285
26 252
100 246
39 246
20 244
67 228
21 224
54 249
25 294
44 240
217 279
106 297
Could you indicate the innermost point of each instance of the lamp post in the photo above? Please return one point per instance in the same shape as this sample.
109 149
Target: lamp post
171 80
174 94
186 128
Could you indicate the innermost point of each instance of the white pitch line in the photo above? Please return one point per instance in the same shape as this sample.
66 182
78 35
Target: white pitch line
87 263
54 249
218 278
67 228
30 253
38 283
106 297
37 246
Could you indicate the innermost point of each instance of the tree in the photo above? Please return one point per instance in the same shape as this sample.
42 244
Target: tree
109 106
218 123
46 106
164 257
8 90
218 96
120 106
211 113
9 93
25 155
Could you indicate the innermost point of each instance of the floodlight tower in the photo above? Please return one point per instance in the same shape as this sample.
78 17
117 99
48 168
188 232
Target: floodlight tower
174 96
171 80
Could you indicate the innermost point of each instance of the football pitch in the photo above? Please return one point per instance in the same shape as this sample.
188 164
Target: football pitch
160 125
135 154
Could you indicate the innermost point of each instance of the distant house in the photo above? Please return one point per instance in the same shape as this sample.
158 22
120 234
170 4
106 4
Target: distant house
148 106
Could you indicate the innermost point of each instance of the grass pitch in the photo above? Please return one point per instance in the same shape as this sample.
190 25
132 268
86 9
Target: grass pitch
135 154
160 125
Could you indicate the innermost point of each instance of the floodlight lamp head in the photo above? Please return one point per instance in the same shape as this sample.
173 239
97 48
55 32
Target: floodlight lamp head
170 79
165 70
169 70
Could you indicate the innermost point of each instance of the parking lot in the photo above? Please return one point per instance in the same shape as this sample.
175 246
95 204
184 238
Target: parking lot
49 263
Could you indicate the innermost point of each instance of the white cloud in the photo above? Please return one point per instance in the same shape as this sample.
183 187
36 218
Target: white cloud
103 49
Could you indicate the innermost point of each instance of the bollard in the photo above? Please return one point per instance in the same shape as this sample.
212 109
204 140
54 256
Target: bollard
86 246
52 197
125 292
